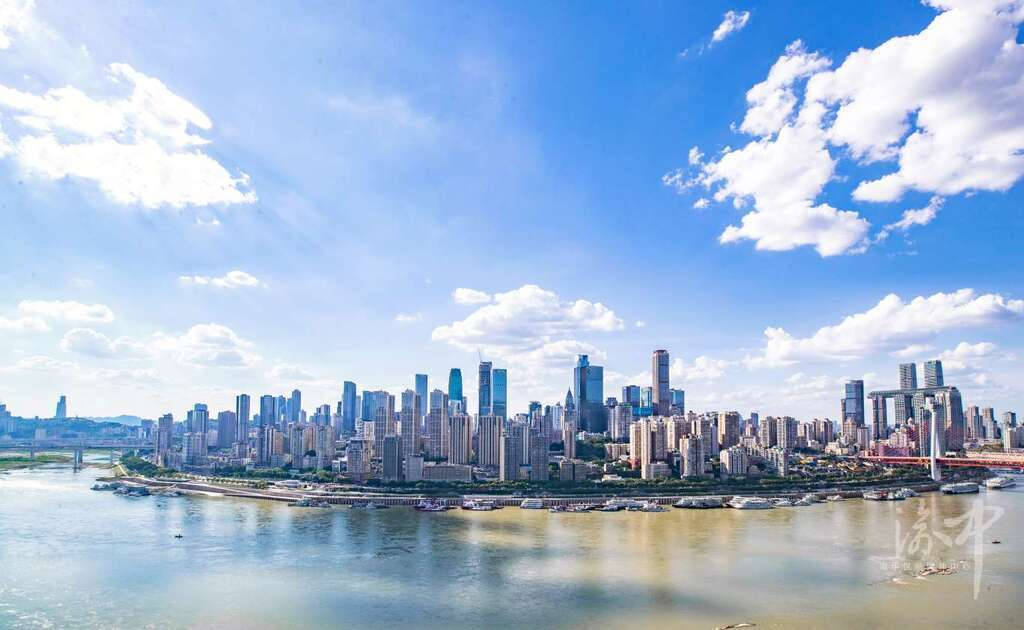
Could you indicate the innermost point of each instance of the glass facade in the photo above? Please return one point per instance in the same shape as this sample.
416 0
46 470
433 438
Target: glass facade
499 388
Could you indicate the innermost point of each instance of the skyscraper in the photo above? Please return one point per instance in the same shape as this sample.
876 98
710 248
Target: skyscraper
588 390
728 429
659 382
499 388
163 439
437 424
267 414
852 408
62 408
391 457
422 393
677 399
489 440
295 406
933 373
242 418
908 376
455 386
348 407
409 423
484 399
459 439
227 425
509 458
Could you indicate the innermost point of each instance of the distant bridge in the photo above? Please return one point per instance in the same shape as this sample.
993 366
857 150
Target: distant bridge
74 444
1015 463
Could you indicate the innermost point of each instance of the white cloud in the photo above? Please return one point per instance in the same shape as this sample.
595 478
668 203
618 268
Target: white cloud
695 156
640 323
701 203
15 16
207 345
890 325
22 324
910 218
210 223
942 106
231 280
732 22
290 372
912 351
470 296
408 318
966 355
136 141
95 344
703 368
533 331
69 310
40 363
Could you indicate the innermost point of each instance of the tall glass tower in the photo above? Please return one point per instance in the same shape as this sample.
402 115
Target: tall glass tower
499 387
421 392
933 374
588 388
348 407
455 386
484 389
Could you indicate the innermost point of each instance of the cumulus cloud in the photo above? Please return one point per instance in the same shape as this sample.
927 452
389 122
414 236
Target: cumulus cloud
15 16
92 343
40 363
534 331
703 368
910 218
695 156
732 22
289 372
68 310
890 325
137 142
470 296
941 106
22 324
207 345
235 279
408 318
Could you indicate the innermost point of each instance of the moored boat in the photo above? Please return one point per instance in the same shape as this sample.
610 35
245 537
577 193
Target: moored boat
874 495
750 503
963 487
998 483
532 504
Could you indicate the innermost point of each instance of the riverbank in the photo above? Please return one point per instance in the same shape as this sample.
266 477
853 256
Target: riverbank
274 493
17 461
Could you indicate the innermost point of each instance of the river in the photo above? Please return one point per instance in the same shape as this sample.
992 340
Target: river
73 557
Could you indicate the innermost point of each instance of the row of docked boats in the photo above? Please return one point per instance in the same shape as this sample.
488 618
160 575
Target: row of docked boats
611 505
891 495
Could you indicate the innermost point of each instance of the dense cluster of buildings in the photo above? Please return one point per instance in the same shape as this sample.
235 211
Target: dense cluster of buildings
432 435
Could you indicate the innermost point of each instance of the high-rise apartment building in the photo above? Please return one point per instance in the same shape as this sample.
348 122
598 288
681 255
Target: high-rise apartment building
422 393
908 376
267 411
489 440
660 382
295 406
409 419
242 415
460 436
692 451
509 458
163 440
728 429
227 425
391 457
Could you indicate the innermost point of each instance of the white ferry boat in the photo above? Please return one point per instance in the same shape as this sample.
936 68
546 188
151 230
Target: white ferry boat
874 495
478 505
652 506
532 504
965 487
998 483
750 503
782 502
905 493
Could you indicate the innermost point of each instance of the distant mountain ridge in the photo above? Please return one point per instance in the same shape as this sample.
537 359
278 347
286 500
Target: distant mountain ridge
121 419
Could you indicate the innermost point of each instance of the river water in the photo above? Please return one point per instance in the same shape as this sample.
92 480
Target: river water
73 557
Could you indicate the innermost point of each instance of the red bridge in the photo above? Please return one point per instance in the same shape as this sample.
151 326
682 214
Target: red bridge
1016 463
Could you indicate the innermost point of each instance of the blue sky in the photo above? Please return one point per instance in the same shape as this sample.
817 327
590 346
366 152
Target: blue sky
201 199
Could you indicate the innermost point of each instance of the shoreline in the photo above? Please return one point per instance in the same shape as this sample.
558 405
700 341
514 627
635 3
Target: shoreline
550 500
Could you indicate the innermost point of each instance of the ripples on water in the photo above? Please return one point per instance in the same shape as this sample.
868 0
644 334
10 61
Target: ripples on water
72 557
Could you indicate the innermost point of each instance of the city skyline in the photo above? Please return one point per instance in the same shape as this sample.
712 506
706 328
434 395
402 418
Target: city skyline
346 221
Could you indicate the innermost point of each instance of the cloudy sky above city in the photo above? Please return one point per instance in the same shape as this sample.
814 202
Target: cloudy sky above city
203 199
